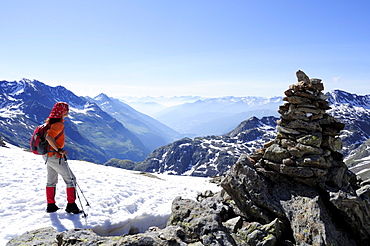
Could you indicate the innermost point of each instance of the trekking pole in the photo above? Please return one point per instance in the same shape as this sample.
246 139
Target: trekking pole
87 202
76 185
83 210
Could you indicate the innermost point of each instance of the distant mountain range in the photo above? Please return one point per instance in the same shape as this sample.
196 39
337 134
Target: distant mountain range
217 116
92 133
151 132
206 156
150 105
212 155
106 130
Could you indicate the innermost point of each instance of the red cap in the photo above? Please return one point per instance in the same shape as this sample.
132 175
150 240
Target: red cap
58 109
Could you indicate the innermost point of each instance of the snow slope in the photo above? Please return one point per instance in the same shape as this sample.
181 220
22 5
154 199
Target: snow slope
120 200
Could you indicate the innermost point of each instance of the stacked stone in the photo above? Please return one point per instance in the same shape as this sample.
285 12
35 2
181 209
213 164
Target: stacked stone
307 142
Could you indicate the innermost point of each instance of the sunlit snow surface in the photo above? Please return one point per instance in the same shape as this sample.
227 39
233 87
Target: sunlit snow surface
119 199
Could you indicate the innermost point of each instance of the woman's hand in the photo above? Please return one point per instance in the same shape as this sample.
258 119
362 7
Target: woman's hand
62 152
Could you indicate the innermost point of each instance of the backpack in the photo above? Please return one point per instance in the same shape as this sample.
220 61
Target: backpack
38 143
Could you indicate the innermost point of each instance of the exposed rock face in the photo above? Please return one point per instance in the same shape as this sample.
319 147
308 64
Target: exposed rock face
294 191
2 144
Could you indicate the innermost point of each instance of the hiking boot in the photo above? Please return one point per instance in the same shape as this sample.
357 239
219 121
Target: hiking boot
72 208
51 208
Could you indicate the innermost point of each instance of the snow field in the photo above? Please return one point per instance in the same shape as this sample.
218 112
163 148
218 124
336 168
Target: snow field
121 201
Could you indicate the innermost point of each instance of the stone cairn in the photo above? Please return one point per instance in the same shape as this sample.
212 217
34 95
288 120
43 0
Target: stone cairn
307 142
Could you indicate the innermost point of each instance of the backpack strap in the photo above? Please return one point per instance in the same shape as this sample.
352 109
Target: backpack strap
60 134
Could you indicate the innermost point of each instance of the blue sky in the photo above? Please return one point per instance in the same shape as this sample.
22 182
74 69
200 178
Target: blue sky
208 48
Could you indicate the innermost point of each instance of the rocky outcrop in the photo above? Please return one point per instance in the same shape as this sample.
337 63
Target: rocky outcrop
211 220
300 177
296 190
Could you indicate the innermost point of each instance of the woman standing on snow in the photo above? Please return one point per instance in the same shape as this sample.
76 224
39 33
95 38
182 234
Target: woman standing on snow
55 160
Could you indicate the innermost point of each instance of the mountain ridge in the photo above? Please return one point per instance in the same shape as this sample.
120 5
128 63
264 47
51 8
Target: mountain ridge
354 135
92 134
151 132
205 156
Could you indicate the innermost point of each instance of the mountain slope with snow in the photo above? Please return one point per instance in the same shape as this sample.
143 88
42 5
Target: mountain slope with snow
151 132
206 156
354 111
92 134
120 200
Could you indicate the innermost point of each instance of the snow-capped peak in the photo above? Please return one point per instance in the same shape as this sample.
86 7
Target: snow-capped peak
337 97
